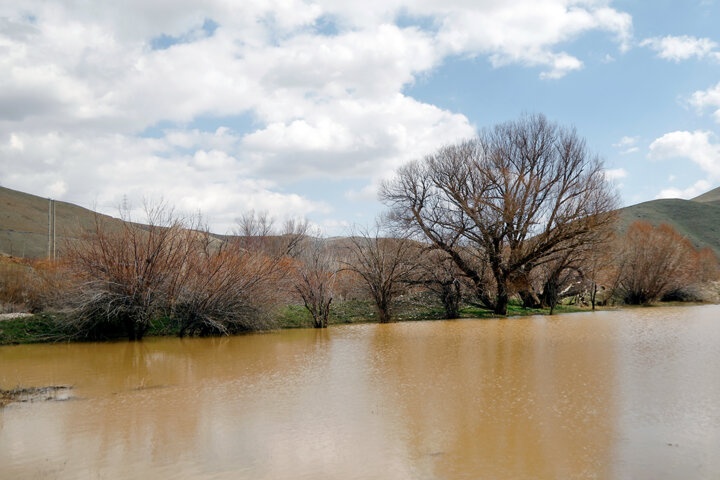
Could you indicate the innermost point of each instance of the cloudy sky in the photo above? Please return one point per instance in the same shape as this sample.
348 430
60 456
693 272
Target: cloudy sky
301 107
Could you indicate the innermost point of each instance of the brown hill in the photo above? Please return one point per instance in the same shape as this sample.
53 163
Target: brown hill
24 222
709 197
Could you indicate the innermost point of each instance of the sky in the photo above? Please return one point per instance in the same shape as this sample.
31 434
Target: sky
300 108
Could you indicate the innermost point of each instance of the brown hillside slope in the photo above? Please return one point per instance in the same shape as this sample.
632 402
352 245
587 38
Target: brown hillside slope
709 197
24 223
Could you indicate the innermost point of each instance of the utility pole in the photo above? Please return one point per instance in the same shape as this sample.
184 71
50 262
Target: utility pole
52 251
54 244
49 228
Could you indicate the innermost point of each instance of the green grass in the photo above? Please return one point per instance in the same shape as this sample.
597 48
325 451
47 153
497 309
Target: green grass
49 327
163 327
405 310
44 327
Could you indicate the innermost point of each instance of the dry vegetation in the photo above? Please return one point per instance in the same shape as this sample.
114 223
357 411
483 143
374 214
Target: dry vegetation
522 214
657 262
501 205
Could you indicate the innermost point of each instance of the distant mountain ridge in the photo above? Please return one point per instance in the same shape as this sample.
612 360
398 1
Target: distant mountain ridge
24 220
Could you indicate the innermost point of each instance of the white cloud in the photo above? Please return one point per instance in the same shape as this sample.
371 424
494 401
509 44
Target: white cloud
700 187
78 85
526 31
616 173
696 146
627 145
677 48
368 193
100 171
709 98
360 139
626 142
331 226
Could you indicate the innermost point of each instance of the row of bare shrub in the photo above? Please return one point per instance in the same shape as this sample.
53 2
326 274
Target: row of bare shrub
169 268
117 283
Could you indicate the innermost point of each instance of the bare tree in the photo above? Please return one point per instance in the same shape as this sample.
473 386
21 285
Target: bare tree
558 276
258 232
655 261
598 273
439 275
384 264
515 195
316 271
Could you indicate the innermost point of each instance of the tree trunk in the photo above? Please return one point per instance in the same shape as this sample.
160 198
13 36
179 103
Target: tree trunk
324 315
502 302
530 299
451 300
383 315
131 328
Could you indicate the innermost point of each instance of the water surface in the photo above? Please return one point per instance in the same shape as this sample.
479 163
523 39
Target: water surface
626 394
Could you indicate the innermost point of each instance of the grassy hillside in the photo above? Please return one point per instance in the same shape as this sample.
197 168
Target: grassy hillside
24 223
699 220
24 220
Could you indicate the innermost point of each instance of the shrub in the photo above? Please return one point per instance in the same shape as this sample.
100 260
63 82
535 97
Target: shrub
654 262
128 277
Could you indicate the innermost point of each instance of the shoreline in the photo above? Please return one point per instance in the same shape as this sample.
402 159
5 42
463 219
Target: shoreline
44 327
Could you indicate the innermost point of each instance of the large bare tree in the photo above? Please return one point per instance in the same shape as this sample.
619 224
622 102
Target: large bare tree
514 196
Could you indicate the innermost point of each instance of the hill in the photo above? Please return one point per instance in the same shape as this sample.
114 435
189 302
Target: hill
712 196
24 223
24 220
698 219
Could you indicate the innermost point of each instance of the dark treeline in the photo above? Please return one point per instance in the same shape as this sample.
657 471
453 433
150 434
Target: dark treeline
522 211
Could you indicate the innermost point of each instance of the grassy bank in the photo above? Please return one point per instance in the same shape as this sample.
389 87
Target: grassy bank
295 316
49 327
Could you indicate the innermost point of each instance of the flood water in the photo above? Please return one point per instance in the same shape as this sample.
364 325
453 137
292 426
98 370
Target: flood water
624 394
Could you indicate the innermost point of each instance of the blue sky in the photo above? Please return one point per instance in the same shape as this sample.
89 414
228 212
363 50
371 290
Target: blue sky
301 107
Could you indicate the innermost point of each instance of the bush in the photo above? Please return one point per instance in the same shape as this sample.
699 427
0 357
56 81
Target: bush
128 277
227 289
658 262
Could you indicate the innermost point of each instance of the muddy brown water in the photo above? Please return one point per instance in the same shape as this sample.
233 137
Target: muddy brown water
624 394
